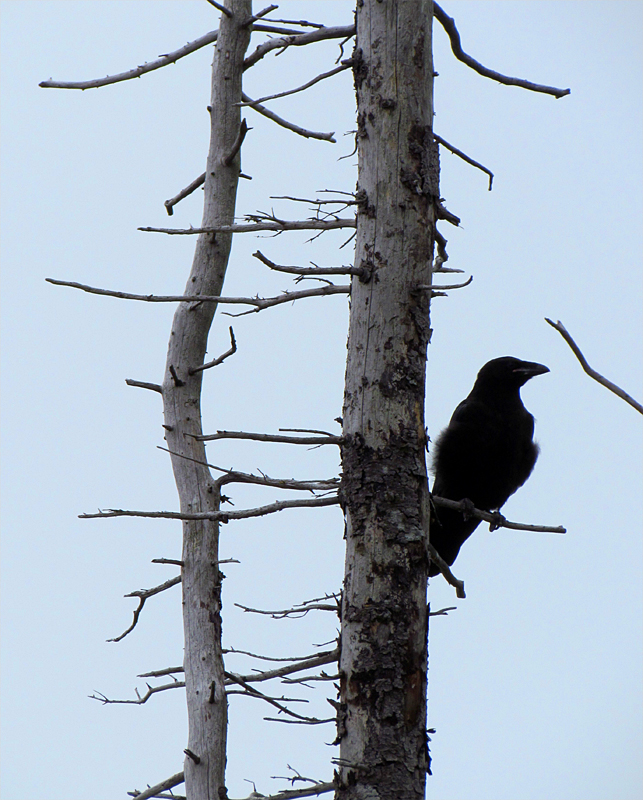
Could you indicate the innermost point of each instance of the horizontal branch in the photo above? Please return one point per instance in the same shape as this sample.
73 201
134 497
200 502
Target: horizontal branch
139 699
154 387
435 287
495 519
152 791
259 303
318 35
253 227
299 611
159 673
293 794
448 23
289 659
362 273
465 157
592 372
218 516
269 437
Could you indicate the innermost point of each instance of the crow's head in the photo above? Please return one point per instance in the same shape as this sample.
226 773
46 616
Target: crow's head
509 371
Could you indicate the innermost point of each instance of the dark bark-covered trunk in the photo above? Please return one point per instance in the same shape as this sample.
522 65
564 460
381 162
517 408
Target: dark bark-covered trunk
201 578
383 665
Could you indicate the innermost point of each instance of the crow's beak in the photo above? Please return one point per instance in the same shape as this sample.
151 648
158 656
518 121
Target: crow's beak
530 369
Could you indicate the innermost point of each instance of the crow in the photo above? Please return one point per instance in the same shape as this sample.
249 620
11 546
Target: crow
485 453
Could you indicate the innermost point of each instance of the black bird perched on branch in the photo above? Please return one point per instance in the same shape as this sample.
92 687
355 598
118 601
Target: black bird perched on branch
485 453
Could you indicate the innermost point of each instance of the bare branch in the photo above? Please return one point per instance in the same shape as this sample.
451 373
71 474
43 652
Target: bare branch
495 519
362 273
220 359
169 204
232 476
300 660
298 611
253 227
158 673
442 565
243 130
143 595
443 612
304 23
592 372
168 783
154 387
139 699
220 516
259 303
434 287
174 561
256 693
465 157
256 106
449 26
298 40
259 14
162 61
292 794
269 437
343 66
222 8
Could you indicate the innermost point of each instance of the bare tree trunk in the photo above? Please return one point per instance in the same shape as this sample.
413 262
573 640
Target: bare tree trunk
206 698
383 665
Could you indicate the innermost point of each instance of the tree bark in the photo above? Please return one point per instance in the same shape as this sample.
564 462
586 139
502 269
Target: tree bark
206 699
383 663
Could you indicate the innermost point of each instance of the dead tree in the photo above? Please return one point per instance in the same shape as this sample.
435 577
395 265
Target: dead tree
382 651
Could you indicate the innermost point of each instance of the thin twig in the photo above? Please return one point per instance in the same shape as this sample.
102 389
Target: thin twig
184 193
592 372
302 88
256 106
449 26
220 359
217 516
269 437
465 157
289 659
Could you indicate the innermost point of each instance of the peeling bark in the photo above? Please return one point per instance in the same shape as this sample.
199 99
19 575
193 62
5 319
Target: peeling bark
383 662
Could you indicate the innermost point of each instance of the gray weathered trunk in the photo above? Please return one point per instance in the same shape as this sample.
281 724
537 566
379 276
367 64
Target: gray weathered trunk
206 699
383 666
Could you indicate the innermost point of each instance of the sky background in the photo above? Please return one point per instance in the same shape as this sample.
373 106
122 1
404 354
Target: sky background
535 679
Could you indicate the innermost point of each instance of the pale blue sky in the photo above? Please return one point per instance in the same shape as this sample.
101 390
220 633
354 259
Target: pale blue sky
535 680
